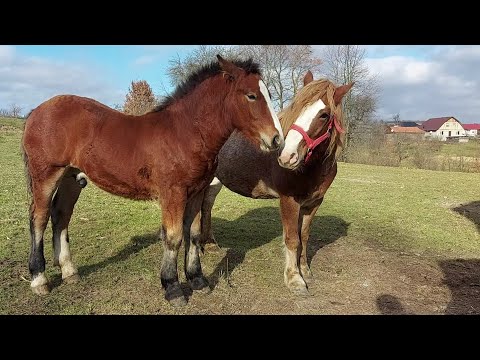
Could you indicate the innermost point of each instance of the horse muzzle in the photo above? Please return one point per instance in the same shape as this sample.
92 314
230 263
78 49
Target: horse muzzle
271 144
289 160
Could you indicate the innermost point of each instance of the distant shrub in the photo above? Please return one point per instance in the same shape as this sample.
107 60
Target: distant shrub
140 98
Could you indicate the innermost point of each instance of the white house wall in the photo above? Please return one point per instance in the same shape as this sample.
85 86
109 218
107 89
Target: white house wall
451 128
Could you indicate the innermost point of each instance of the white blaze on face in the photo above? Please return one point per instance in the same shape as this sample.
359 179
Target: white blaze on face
264 91
304 121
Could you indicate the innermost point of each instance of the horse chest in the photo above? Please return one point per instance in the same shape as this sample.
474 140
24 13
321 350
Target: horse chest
204 176
317 185
312 199
307 188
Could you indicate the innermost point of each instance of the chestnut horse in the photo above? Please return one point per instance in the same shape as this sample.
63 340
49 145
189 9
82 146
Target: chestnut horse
300 176
168 155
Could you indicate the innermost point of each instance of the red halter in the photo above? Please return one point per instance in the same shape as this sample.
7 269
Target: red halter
312 144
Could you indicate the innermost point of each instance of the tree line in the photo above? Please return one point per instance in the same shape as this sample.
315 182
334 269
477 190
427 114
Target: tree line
13 111
283 69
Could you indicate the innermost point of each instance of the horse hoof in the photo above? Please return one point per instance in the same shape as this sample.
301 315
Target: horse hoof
299 288
200 284
41 290
307 275
174 295
178 302
72 279
211 248
302 291
308 278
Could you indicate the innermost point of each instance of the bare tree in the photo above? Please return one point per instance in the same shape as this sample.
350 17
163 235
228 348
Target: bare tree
396 119
401 146
179 69
344 64
15 110
140 98
283 66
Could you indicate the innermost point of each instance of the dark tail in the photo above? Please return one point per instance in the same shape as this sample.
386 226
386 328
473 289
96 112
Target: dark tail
27 173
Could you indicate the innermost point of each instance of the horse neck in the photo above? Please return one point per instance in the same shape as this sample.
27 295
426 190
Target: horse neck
209 119
319 157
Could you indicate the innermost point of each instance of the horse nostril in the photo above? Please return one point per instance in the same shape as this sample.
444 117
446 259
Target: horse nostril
286 159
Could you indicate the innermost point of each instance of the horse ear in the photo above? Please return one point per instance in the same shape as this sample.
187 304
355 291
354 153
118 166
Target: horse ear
341 91
228 67
308 78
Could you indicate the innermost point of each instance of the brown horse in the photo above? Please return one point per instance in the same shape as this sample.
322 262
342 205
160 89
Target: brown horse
299 176
167 155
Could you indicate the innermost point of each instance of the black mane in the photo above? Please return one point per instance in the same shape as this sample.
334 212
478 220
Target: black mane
202 74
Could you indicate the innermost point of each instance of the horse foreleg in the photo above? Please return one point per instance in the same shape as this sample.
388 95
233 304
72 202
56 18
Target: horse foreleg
192 234
290 212
306 218
62 209
173 209
209 197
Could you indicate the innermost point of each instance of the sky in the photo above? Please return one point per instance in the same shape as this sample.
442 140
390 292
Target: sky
416 81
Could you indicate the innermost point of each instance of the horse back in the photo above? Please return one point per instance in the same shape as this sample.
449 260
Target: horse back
64 124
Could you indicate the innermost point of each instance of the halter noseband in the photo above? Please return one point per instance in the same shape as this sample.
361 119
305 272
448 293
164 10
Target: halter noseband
312 144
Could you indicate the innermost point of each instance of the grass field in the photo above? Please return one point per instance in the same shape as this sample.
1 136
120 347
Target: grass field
469 149
380 232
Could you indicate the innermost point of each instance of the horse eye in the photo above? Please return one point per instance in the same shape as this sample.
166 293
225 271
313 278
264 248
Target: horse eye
251 97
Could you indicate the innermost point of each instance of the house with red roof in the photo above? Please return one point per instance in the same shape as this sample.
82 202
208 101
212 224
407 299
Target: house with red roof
406 130
472 129
443 128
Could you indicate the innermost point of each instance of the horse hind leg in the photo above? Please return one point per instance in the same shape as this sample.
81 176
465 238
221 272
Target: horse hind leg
61 213
207 239
44 185
192 233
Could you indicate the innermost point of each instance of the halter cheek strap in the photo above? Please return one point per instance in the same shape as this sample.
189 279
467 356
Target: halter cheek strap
312 144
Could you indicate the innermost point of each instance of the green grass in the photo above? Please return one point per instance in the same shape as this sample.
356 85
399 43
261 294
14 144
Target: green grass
12 123
118 255
470 149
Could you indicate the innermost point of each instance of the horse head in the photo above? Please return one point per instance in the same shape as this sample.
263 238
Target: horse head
250 104
313 118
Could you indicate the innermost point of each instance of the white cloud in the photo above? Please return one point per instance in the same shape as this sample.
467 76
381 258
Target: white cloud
446 82
423 81
7 53
29 80
402 70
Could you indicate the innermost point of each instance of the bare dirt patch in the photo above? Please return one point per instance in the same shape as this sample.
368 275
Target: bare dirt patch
358 278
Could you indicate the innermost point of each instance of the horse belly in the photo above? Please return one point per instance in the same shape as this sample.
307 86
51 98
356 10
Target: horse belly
244 169
121 188
245 185
131 182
